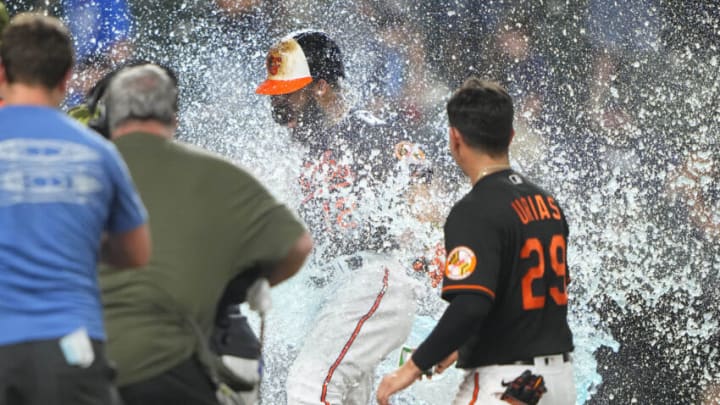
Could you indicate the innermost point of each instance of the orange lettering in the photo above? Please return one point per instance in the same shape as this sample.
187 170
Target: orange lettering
554 208
532 207
531 301
557 262
536 274
521 214
527 209
542 208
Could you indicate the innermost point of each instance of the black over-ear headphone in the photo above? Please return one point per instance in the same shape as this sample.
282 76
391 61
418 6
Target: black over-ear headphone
96 106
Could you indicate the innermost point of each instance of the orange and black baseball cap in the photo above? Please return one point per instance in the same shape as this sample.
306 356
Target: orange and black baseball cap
300 58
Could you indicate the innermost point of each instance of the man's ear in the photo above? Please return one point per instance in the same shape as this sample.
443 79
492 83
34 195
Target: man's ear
63 86
455 141
321 88
512 136
3 76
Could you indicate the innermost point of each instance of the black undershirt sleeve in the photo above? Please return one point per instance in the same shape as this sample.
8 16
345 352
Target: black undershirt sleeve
462 318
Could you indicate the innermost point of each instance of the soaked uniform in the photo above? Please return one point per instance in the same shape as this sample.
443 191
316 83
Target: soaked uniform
370 312
507 242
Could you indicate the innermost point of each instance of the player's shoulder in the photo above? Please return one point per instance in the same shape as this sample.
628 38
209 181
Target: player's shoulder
528 186
468 208
471 215
363 123
524 193
491 196
366 118
362 131
510 182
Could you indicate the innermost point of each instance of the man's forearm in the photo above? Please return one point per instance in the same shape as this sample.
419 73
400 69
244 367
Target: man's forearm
127 250
461 319
292 262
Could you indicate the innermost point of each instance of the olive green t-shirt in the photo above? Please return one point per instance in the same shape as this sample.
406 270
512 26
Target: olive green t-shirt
209 221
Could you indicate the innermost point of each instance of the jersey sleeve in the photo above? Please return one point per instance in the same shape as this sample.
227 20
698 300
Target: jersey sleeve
127 211
473 243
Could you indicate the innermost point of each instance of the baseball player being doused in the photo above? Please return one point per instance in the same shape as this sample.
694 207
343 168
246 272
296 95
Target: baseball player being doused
350 155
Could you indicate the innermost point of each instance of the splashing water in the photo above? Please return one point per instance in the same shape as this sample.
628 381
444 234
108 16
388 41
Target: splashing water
642 275
640 281
617 114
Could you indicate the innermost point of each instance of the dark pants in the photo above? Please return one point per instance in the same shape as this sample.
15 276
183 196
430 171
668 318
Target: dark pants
185 384
36 373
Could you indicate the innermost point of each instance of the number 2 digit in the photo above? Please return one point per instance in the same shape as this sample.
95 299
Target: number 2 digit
558 265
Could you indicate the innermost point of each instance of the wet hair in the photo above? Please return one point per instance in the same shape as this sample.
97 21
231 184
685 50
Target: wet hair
145 92
323 55
483 113
36 50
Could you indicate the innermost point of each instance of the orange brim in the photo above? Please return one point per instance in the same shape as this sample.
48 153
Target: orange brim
278 87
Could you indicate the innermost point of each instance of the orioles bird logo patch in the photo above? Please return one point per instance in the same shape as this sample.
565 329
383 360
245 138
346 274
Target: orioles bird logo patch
460 263
274 61
405 150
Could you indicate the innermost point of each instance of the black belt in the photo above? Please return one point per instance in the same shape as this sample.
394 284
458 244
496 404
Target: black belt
531 361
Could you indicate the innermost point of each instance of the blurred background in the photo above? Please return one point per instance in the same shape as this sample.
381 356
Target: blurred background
618 113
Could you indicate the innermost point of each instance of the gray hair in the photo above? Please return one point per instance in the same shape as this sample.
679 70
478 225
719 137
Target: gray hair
144 92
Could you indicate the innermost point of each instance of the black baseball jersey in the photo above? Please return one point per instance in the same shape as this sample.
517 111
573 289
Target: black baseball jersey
344 185
507 239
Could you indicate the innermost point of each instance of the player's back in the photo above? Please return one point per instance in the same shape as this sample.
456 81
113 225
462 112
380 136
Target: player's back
526 228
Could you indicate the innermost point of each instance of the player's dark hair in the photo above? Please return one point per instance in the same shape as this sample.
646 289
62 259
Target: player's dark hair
483 113
36 50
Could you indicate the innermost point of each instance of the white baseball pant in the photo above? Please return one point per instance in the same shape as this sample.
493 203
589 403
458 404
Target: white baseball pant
483 385
369 315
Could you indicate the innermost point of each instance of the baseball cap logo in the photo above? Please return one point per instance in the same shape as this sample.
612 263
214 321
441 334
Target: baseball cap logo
274 61
405 150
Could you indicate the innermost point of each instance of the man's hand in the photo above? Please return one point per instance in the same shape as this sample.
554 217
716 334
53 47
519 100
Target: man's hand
258 296
398 380
445 364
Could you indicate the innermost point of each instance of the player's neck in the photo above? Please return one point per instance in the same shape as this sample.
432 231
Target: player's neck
485 165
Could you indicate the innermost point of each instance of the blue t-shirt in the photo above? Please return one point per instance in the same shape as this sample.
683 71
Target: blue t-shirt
61 186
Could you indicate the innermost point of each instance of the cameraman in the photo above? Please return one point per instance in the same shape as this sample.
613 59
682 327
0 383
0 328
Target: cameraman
211 223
